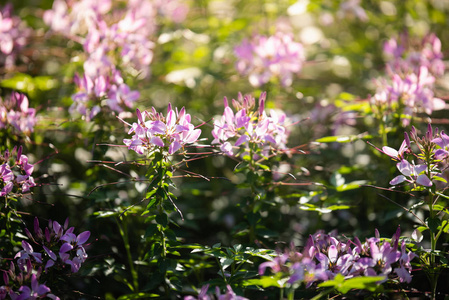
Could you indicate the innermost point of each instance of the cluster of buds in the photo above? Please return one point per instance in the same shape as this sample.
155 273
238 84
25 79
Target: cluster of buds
251 127
16 114
154 131
13 36
432 158
325 256
38 259
263 58
15 176
412 74
100 91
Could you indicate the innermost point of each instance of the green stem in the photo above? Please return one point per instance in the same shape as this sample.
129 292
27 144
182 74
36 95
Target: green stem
124 233
433 276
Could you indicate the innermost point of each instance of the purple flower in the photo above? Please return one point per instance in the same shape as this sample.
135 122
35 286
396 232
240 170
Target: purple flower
15 113
18 173
325 256
13 36
352 8
26 254
263 58
171 132
412 174
404 59
442 141
250 127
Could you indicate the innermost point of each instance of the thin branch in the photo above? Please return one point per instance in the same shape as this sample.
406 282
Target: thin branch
404 208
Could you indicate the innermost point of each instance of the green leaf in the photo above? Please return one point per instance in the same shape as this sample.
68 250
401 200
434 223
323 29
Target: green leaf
267 281
342 285
343 138
170 234
226 262
324 210
351 186
105 214
151 230
162 219
433 224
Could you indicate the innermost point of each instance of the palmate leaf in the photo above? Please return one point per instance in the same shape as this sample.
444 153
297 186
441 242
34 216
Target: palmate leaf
342 285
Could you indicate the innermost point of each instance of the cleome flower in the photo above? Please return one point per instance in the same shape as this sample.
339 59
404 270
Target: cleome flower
15 176
325 256
13 36
432 158
16 114
263 58
154 131
250 127
55 238
411 173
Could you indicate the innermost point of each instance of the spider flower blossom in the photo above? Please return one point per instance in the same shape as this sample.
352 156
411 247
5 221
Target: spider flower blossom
15 175
13 36
102 91
250 127
325 256
16 113
263 58
153 131
405 56
432 158
30 288
413 92
60 247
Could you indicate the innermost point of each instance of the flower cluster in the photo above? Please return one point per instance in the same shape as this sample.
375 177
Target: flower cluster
408 95
13 36
409 88
30 288
15 176
112 34
408 56
203 295
432 158
153 131
15 112
265 57
102 90
55 247
325 256
250 127
55 238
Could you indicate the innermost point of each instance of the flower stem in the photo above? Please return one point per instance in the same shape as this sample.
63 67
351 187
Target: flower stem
124 233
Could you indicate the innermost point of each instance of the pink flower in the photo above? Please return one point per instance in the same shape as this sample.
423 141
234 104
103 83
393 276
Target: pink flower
411 173
17 173
352 7
263 58
13 36
171 132
17 114
250 127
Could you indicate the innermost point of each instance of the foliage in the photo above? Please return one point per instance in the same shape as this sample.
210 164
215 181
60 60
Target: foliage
138 122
